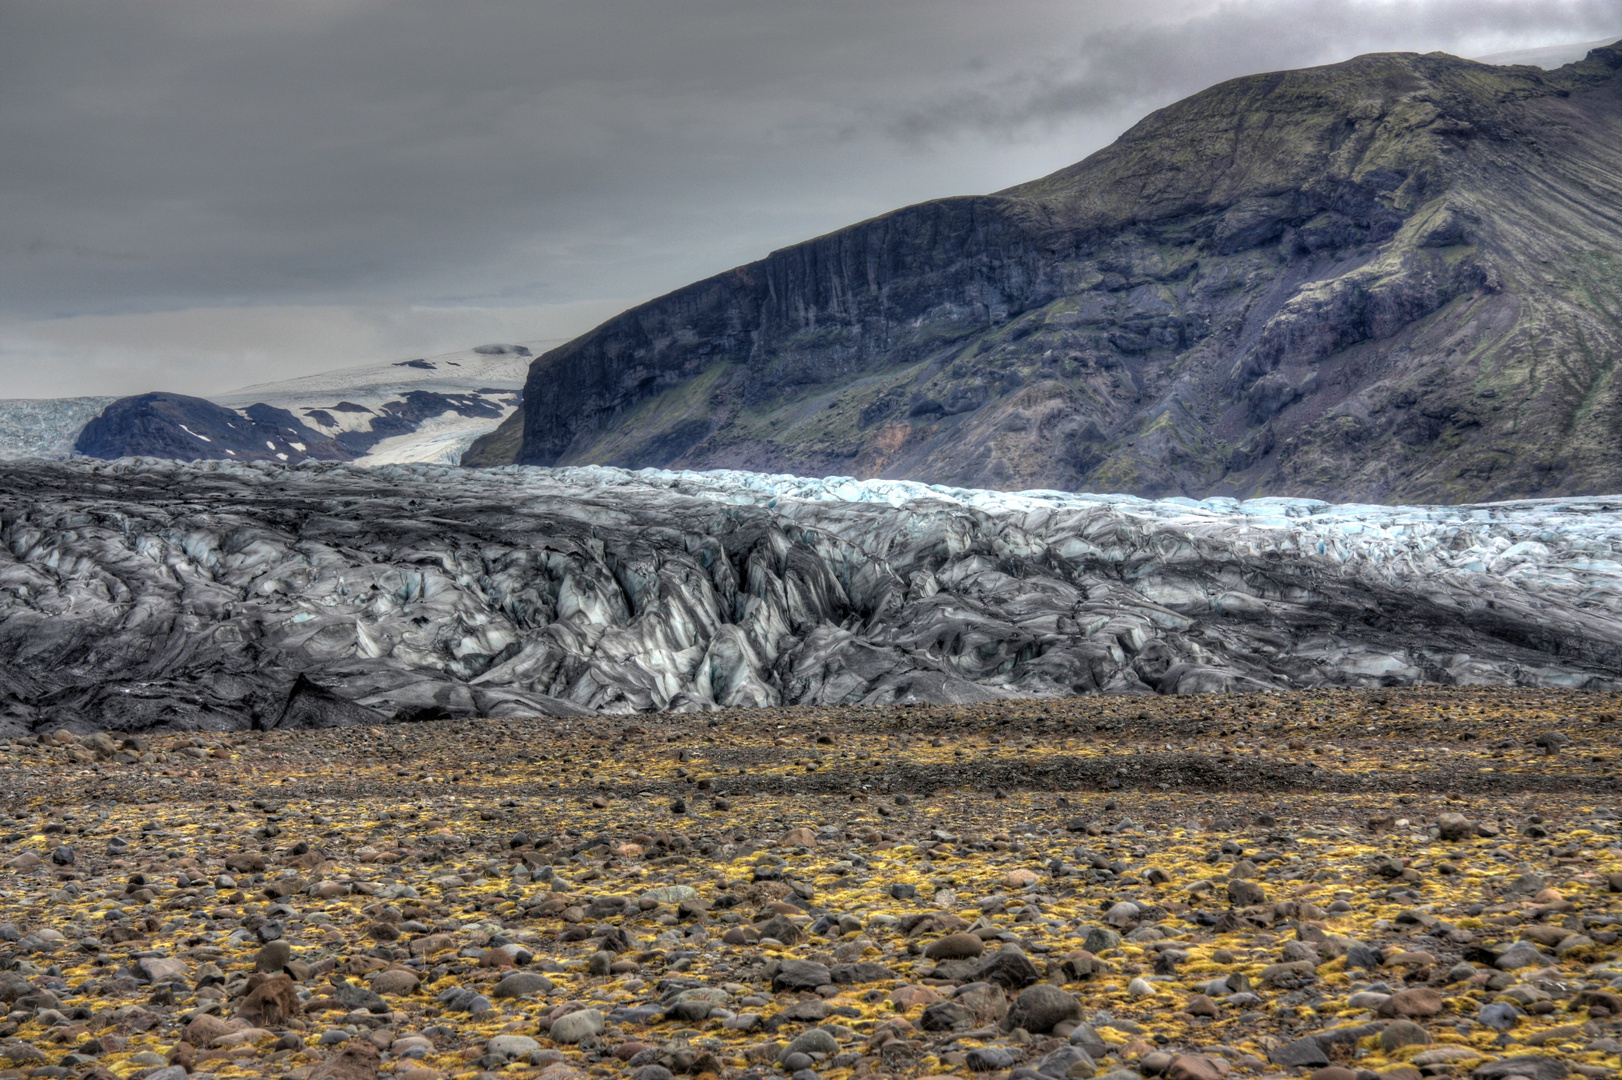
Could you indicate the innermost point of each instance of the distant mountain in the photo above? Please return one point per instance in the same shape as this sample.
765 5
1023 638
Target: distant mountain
1398 278
419 410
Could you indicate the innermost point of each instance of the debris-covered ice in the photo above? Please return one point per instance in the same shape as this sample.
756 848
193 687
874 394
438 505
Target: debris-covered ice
146 593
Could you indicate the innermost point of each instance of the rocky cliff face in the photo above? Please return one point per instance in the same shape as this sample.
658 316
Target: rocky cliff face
137 595
1394 278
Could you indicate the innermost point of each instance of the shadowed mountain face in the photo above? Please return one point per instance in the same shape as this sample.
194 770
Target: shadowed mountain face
221 595
1396 278
192 429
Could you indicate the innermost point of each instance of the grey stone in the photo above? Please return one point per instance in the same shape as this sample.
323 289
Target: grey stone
1088 1039
1533 1068
521 983
1501 1015
945 1016
1101 939
652 1072
1008 967
1041 1008
801 975
1519 956
577 1026
1068 1063
815 1041
1363 956
157 969
511 1047
1304 1053
990 1059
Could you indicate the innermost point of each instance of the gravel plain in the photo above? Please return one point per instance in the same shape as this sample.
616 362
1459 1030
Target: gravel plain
1339 884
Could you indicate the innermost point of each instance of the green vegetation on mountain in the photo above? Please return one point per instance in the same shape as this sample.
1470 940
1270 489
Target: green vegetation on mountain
1396 278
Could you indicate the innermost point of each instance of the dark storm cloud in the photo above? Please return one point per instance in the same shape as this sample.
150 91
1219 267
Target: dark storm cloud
1143 66
395 156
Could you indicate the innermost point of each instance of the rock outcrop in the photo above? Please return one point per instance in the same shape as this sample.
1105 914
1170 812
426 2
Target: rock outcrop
193 429
1392 279
142 594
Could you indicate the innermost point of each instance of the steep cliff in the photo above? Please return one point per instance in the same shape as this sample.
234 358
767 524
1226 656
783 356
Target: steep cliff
1396 278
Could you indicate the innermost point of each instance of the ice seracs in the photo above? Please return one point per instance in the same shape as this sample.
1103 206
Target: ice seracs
144 593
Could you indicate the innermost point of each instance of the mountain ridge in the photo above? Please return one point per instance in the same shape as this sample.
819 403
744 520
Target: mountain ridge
1314 283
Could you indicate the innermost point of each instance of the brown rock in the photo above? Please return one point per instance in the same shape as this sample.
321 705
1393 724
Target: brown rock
273 957
801 837
1454 827
955 947
1563 1033
1544 934
396 981
271 1001
909 997
1195 1067
1200 1005
183 1054
204 1029
357 1061
1334 1072
429 944
1419 1002
1400 1033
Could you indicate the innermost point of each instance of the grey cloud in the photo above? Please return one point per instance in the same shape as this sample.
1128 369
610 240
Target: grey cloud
1122 71
366 154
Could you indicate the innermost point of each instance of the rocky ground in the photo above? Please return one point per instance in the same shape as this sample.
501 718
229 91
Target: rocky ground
1339 884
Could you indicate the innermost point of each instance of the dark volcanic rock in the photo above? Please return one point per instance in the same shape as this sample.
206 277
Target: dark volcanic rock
312 706
1332 282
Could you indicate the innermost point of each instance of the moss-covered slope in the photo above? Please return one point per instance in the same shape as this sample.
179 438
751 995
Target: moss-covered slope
1396 278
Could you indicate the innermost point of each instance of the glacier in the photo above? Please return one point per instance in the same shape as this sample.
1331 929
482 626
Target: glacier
147 594
45 427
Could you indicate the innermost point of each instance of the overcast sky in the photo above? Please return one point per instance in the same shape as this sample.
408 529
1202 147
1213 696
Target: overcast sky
200 195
